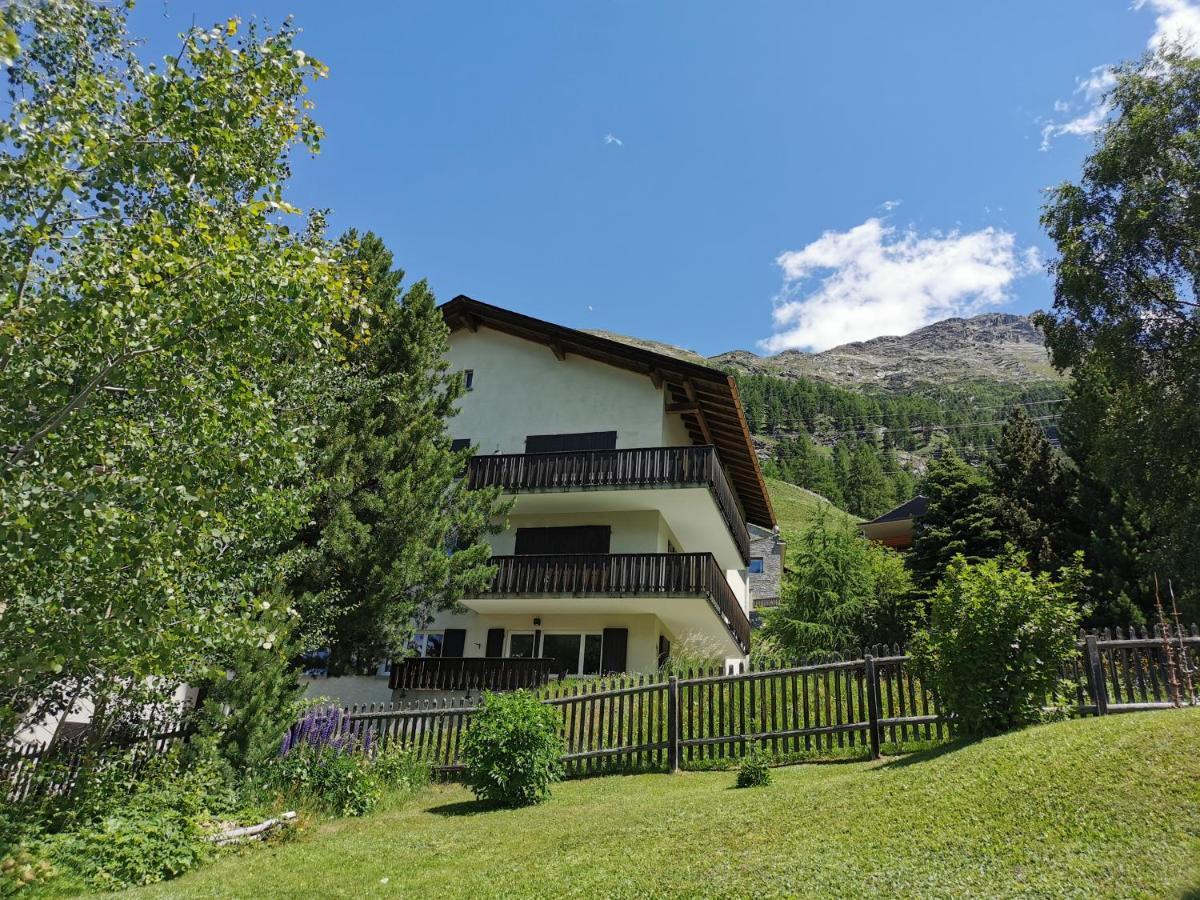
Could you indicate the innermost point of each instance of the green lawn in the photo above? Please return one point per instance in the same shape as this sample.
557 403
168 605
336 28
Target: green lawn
1099 807
795 507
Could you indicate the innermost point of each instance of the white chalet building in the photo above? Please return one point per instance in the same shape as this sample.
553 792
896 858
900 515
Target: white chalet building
632 476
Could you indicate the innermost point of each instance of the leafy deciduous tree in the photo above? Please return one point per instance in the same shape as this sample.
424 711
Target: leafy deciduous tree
150 285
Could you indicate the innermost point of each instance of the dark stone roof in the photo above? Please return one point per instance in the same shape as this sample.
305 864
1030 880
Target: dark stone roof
911 509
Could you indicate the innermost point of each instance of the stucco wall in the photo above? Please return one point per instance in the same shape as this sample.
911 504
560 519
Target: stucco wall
632 532
521 388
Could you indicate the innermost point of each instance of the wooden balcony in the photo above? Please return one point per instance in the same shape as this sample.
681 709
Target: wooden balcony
648 467
447 673
625 574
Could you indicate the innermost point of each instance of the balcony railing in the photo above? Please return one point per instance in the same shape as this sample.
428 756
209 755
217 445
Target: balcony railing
625 574
447 673
646 467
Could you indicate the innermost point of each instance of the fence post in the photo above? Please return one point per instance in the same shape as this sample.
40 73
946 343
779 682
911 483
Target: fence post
673 724
1095 672
872 676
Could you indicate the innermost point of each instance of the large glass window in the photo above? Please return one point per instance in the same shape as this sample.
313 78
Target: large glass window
521 645
591 654
427 643
564 650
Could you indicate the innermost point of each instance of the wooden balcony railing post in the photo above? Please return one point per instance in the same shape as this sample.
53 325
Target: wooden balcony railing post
1097 686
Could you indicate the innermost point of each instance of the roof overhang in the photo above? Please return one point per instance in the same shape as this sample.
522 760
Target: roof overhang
706 398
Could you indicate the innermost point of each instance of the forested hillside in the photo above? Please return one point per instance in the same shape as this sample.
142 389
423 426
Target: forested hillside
865 450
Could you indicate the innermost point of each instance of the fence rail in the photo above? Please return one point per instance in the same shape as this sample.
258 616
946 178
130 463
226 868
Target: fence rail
856 705
703 717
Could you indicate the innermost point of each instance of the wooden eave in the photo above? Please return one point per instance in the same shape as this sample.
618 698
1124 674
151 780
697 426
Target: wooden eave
706 398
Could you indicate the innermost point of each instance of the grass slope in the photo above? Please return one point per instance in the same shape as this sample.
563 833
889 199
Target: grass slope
796 507
1099 807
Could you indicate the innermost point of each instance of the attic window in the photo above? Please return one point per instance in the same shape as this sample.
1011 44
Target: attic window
756 565
469 379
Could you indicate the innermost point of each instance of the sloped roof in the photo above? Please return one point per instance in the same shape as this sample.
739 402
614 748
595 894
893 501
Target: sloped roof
910 509
706 398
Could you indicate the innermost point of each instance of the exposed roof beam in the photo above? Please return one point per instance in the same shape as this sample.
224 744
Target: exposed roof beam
557 350
685 406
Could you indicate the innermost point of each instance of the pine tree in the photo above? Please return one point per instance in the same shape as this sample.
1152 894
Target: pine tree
392 501
1028 481
960 519
867 492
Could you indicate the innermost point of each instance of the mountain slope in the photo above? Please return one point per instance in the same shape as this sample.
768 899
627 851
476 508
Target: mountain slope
991 347
796 508
995 347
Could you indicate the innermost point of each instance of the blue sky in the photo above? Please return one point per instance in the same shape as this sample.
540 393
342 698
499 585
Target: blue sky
782 174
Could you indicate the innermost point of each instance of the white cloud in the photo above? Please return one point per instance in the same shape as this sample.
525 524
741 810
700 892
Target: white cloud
1093 90
1175 22
889 205
874 280
611 138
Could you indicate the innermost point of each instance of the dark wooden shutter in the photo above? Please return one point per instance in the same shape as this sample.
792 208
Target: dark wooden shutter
495 642
568 539
560 443
454 642
612 654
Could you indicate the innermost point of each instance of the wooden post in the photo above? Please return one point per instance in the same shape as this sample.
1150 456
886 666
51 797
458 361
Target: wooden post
1095 672
872 677
673 724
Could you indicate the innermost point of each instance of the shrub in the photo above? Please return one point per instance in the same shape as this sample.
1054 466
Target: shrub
840 591
322 763
996 638
137 822
753 771
512 749
400 770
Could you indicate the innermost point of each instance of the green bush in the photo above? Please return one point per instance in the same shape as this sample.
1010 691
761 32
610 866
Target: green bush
333 780
400 770
513 749
753 771
996 638
132 824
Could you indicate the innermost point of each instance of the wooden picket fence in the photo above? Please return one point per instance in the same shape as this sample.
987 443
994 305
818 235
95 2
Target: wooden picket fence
830 707
36 770
855 703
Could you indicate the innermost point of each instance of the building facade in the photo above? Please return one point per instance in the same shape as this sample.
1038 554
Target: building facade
767 553
633 480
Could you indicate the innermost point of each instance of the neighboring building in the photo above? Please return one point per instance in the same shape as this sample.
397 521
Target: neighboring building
895 527
767 552
633 478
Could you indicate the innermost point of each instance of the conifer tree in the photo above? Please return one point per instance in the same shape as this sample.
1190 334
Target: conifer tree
960 519
395 532
866 491
1031 508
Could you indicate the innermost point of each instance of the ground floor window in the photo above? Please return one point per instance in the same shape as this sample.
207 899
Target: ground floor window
576 654
427 643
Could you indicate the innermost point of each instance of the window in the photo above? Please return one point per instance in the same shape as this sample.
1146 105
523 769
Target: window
520 645
458 444
427 643
469 379
562 539
756 565
574 654
562 443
